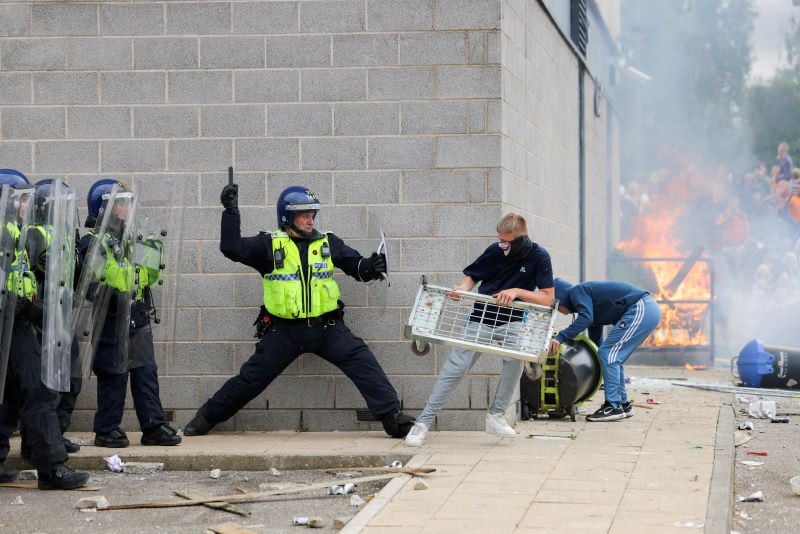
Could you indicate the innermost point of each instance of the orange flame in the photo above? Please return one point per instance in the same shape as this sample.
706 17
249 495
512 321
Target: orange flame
691 367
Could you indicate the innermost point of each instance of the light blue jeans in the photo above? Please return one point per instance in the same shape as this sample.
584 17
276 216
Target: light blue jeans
459 363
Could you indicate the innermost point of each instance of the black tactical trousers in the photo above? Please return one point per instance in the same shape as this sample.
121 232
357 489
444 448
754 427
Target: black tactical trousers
30 402
282 344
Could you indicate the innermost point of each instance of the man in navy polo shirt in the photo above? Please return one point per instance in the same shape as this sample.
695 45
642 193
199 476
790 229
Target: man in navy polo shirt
514 268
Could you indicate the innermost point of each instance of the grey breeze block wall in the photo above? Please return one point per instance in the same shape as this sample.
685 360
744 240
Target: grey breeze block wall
416 111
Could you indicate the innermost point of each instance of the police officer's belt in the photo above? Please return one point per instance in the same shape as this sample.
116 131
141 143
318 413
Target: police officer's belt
329 318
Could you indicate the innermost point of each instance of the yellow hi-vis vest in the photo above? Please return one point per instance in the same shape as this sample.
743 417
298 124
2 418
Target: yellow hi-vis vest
119 270
21 279
290 293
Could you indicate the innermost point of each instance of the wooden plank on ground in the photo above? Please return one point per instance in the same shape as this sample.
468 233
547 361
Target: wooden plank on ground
216 505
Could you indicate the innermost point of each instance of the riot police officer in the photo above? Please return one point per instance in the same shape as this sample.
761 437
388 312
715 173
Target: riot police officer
125 345
303 310
26 398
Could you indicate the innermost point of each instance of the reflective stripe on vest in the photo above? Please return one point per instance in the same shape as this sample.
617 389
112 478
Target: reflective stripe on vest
21 279
119 273
290 293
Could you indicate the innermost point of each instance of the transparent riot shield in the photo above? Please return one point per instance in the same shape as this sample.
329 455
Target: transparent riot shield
158 244
379 290
15 211
57 291
106 288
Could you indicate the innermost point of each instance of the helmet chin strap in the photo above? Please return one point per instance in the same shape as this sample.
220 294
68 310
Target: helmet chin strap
300 233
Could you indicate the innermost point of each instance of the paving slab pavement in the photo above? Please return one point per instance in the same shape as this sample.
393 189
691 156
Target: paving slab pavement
653 471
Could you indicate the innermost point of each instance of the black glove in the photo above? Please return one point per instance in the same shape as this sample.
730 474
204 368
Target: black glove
377 263
230 196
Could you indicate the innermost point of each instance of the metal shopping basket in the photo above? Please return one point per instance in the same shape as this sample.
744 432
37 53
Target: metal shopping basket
441 315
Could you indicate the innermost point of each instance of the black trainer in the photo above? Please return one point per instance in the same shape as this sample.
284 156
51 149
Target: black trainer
116 439
71 446
62 477
199 426
7 473
163 434
627 407
606 412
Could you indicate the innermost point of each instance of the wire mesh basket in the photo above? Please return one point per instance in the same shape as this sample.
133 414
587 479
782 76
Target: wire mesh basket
440 315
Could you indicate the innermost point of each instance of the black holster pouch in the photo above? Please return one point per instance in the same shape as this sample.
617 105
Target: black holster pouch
262 322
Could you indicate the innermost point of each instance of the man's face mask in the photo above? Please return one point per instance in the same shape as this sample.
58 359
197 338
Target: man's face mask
516 248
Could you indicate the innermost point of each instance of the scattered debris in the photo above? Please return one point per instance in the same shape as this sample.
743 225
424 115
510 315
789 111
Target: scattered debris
421 485
228 528
224 506
114 463
753 497
779 420
416 471
97 503
340 522
651 400
274 472
282 486
756 453
140 468
396 464
573 437
356 500
18 500
311 522
744 515
762 409
348 474
740 438
215 473
28 474
343 489
745 425
689 524
794 482
751 463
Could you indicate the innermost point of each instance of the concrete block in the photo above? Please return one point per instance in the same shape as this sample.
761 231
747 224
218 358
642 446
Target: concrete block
299 119
467 14
468 151
335 421
334 153
494 185
407 83
333 84
232 52
267 420
205 290
99 53
299 51
347 394
61 18
432 48
33 123
332 16
248 291
318 182
15 19
212 260
400 152
17 155
143 468
476 116
179 392
483 219
393 15
165 53
132 19
493 47
201 87
267 86
190 257
265 17
468 82
32 54
199 154
132 87
476 48
226 324
187 327
67 156
431 186
362 50
417 389
198 18
427 255
367 187
434 117
132 155
396 357
251 188
479 394
65 88
16 88
494 115
390 328
406 221
267 154
165 121
98 122
346 222
366 119
461 420
301 392
232 121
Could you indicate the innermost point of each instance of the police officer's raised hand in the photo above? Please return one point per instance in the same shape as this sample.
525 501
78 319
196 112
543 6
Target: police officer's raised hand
230 196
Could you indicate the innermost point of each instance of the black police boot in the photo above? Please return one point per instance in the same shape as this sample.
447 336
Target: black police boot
7 473
62 477
397 424
71 446
199 426
116 439
163 434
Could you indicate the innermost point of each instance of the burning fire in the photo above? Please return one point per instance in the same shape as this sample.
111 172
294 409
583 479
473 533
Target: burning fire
683 282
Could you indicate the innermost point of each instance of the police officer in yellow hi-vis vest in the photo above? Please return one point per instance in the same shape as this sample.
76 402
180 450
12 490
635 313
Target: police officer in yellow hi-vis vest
25 397
303 313
110 277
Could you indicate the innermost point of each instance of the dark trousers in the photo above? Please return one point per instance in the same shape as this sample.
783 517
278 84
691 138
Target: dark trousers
28 400
282 344
112 386
66 404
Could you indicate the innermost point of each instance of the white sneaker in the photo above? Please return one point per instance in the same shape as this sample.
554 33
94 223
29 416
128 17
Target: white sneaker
497 426
416 435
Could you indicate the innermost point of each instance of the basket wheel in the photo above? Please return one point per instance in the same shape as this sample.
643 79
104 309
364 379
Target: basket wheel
557 414
573 413
420 348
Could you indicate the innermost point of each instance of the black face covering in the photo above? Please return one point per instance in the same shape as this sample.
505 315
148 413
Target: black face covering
518 248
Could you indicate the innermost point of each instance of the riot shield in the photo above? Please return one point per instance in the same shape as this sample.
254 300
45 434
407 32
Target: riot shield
158 244
379 290
57 291
107 285
15 212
